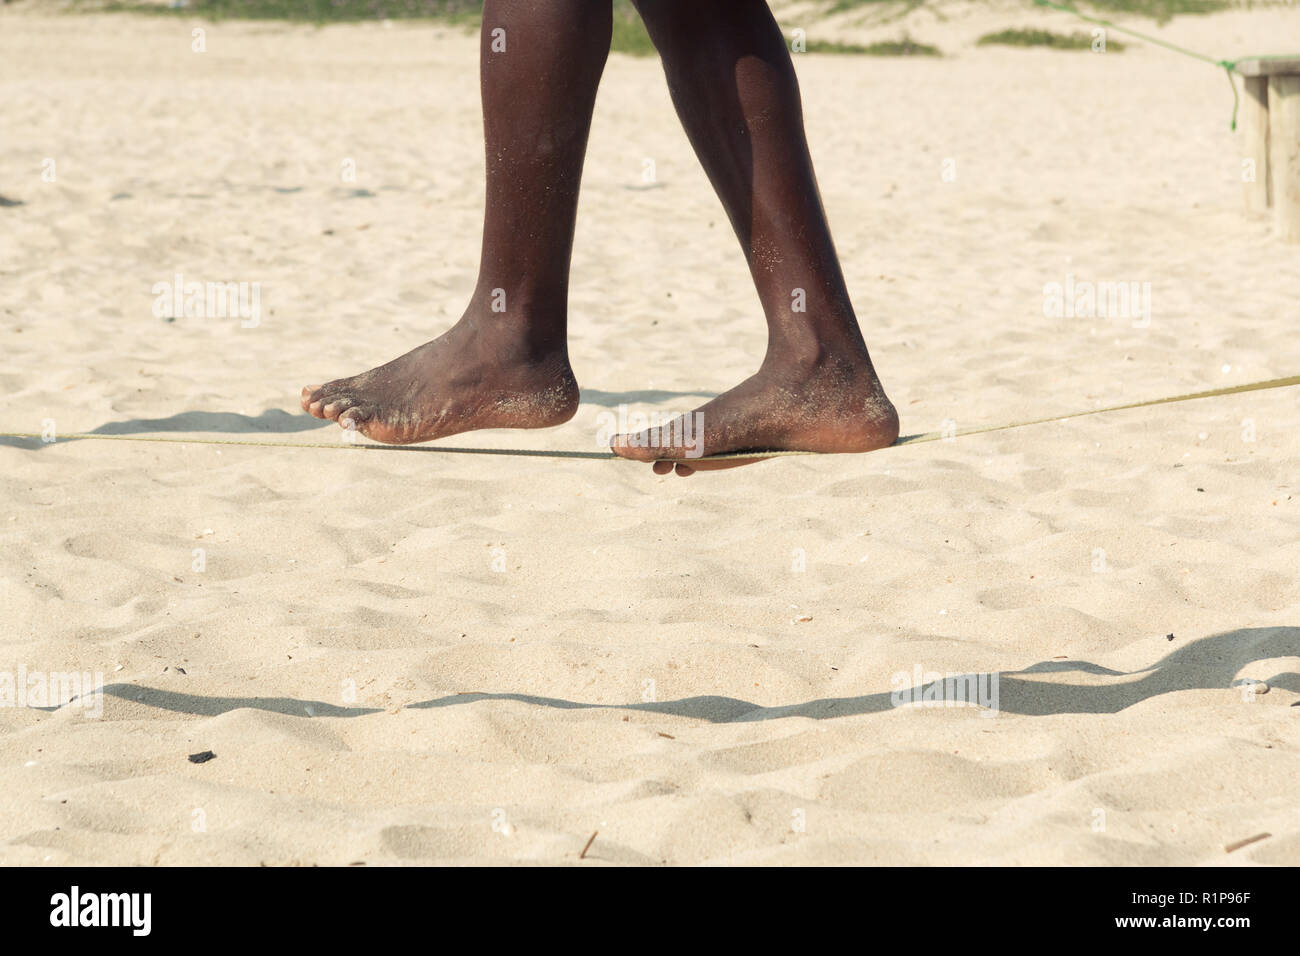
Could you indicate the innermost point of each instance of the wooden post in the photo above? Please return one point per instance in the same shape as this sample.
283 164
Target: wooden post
1256 182
1284 153
1272 128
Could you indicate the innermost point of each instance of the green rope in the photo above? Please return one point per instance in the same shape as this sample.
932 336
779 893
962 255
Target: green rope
1288 382
1233 125
1229 66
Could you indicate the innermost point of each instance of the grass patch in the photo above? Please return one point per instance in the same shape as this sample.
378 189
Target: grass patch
629 35
317 11
629 32
839 6
1162 11
1057 41
903 47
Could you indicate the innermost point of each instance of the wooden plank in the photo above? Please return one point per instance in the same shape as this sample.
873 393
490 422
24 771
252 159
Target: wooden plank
1284 153
1269 66
1256 183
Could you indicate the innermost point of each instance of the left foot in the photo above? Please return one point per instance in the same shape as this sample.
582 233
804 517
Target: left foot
830 406
475 375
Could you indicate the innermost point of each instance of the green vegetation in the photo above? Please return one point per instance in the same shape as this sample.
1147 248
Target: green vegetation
1161 10
317 11
1057 41
629 33
839 6
904 47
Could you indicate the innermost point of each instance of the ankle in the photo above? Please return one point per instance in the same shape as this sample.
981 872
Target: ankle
810 353
518 336
521 298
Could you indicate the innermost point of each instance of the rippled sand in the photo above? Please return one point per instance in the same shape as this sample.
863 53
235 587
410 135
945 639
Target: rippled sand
404 657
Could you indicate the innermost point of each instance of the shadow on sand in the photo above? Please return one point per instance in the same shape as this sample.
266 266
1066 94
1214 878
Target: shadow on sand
1209 663
275 421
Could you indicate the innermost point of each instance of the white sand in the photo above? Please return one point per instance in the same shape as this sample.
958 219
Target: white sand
515 697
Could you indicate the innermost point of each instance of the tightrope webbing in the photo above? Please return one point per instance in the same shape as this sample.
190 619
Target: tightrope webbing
605 455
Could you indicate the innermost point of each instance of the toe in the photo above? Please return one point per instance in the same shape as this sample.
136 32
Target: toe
354 417
368 420
632 447
336 407
309 394
685 469
722 465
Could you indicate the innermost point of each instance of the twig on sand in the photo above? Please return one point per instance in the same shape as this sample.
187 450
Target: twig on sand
1240 843
590 841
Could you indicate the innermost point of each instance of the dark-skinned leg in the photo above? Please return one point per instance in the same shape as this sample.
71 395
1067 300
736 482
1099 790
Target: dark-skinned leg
734 86
505 364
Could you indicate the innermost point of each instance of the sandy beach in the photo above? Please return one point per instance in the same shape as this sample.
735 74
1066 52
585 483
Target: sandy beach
437 658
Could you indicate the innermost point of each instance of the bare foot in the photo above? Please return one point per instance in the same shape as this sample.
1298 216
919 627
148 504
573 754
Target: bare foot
470 377
827 406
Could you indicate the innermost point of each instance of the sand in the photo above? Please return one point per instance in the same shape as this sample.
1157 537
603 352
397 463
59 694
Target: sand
419 658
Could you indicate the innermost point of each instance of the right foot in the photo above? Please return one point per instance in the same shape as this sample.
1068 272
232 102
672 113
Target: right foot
465 379
831 406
